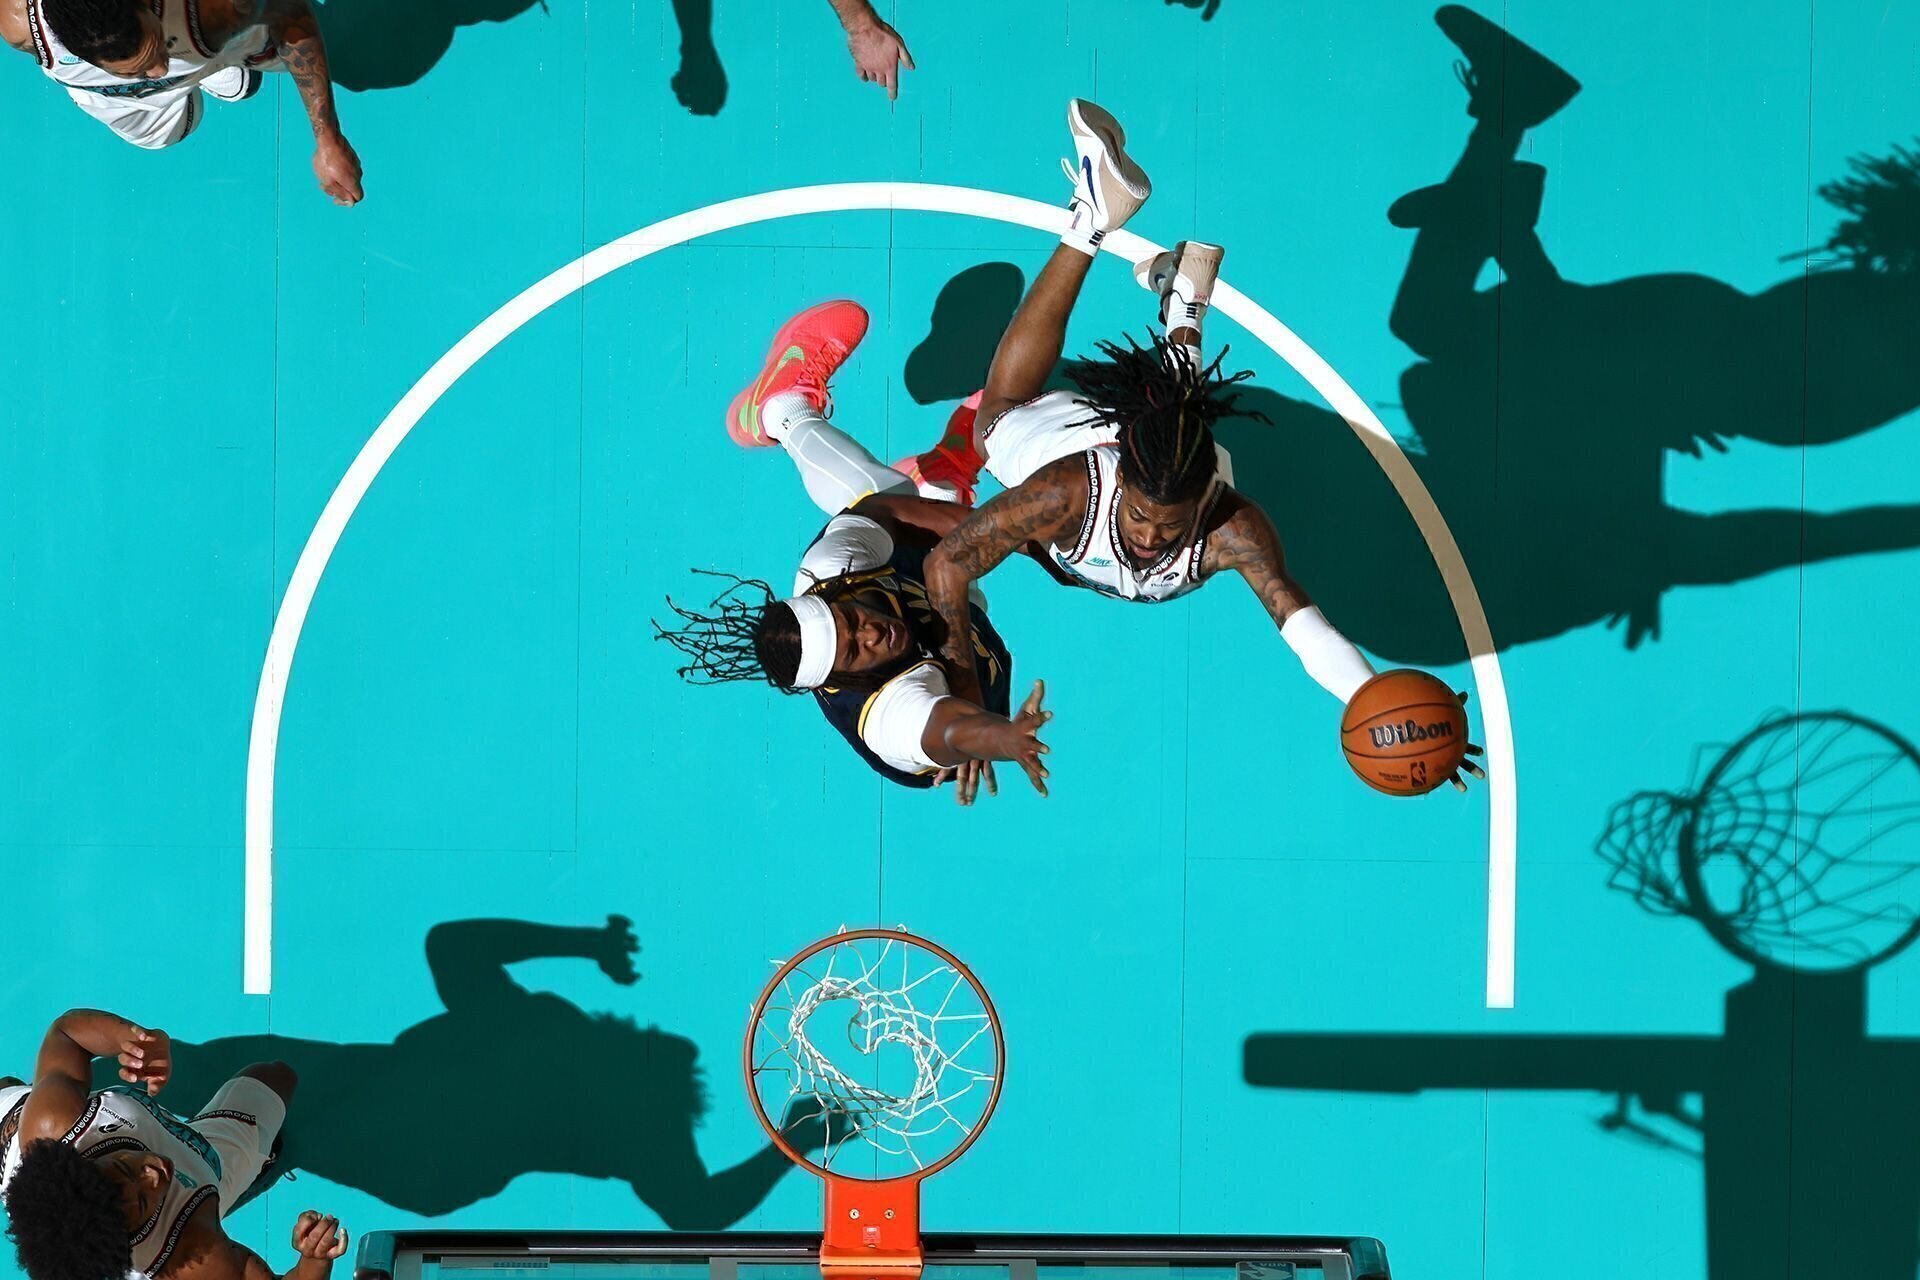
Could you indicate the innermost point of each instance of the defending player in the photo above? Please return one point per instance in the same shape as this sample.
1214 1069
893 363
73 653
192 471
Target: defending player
858 631
140 68
1121 485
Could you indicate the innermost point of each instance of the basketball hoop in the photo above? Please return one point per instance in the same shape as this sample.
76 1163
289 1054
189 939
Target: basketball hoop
893 1095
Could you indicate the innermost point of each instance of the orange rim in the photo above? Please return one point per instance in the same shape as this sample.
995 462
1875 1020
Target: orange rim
855 935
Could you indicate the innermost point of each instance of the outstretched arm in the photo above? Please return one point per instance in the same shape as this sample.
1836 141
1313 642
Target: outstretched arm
1039 510
295 31
62 1074
1248 544
469 958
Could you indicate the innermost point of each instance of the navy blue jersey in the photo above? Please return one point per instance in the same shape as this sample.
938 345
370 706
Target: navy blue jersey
901 582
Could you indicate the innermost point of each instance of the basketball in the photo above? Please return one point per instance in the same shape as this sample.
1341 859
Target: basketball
1404 733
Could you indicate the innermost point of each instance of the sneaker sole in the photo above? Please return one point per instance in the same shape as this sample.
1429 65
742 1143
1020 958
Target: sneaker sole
1084 117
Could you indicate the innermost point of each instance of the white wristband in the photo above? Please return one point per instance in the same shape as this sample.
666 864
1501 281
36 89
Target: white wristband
1328 656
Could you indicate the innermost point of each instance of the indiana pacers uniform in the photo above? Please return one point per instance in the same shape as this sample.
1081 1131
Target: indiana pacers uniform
1056 425
884 726
158 113
217 1154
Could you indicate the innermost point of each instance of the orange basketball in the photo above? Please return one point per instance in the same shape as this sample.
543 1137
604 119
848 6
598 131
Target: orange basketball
1404 733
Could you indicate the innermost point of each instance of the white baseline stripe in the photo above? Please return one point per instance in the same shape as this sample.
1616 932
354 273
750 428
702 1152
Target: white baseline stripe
264 739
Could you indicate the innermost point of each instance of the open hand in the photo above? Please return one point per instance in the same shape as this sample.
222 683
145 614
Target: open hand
146 1058
967 777
1027 747
319 1236
878 54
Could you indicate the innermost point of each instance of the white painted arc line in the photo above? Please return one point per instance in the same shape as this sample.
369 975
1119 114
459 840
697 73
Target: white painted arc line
263 740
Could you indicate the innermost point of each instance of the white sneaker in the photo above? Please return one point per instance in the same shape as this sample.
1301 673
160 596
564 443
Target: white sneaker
1108 187
232 84
1183 276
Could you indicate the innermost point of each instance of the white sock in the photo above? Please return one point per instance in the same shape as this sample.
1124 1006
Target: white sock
1081 234
778 411
835 469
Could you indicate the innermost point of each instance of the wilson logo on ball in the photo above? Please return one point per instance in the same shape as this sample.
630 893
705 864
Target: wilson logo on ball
1393 735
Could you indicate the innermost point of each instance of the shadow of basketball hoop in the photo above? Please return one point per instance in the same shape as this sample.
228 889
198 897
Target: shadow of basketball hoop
1798 851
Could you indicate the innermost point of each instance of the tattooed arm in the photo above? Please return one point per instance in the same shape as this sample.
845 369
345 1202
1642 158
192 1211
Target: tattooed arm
295 32
1247 543
1045 508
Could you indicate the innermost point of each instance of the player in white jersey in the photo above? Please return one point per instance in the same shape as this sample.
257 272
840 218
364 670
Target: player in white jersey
109 1185
1121 484
144 68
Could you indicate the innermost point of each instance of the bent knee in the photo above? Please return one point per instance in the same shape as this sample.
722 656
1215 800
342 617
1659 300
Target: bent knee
277 1076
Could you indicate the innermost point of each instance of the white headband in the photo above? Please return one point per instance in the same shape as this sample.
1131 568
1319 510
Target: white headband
819 640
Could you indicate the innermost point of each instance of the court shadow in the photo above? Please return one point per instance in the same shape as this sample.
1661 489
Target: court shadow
1807 1126
1207 7
1548 411
506 1081
372 44
969 316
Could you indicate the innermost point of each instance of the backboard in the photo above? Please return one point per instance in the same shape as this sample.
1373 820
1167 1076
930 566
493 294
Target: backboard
749 1255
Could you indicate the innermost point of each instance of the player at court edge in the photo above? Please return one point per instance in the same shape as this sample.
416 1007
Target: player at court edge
145 69
107 1184
1119 482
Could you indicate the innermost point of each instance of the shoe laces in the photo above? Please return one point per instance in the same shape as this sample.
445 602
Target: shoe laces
1466 75
818 367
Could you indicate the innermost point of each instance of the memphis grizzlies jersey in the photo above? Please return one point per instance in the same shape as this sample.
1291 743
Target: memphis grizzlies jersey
123 1118
1098 561
190 59
900 580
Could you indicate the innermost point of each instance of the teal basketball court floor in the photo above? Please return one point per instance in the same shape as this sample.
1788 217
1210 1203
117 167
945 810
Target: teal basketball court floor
1670 434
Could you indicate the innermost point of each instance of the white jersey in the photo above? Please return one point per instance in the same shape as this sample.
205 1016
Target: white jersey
1097 559
215 1156
1055 425
190 59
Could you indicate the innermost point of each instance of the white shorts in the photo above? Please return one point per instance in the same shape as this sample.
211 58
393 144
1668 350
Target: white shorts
162 119
1048 427
242 1121
1028 436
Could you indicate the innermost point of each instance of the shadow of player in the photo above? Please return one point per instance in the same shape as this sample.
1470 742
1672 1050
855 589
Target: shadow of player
507 1081
1798 853
372 44
1547 410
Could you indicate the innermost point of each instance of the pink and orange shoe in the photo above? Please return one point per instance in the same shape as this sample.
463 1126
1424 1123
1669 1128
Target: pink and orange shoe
950 470
804 355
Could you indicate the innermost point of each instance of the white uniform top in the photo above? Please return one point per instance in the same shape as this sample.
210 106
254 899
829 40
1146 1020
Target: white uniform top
1055 425
1098 559
896 715
215 1156
190 59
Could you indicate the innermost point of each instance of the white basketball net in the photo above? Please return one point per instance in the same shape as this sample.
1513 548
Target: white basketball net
927 1030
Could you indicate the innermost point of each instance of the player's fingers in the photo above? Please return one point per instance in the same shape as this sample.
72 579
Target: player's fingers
1464 695
1035 774
993 783
905 56
1473 768
890 79
339 1241
1457 784
1473 750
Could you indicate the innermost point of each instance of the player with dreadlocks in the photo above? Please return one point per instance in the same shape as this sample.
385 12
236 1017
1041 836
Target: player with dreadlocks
1119 481
857 631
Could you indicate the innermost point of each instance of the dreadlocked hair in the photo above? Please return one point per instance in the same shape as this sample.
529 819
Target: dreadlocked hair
1165 404
741 635
65 1218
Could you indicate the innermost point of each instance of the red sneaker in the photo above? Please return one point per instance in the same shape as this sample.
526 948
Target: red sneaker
803 356
952 464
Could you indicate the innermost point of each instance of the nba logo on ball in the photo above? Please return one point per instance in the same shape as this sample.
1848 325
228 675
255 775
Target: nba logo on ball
1404 733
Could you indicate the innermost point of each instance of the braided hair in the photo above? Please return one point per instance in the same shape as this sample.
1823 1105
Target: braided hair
1165 404
744 634
748 633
